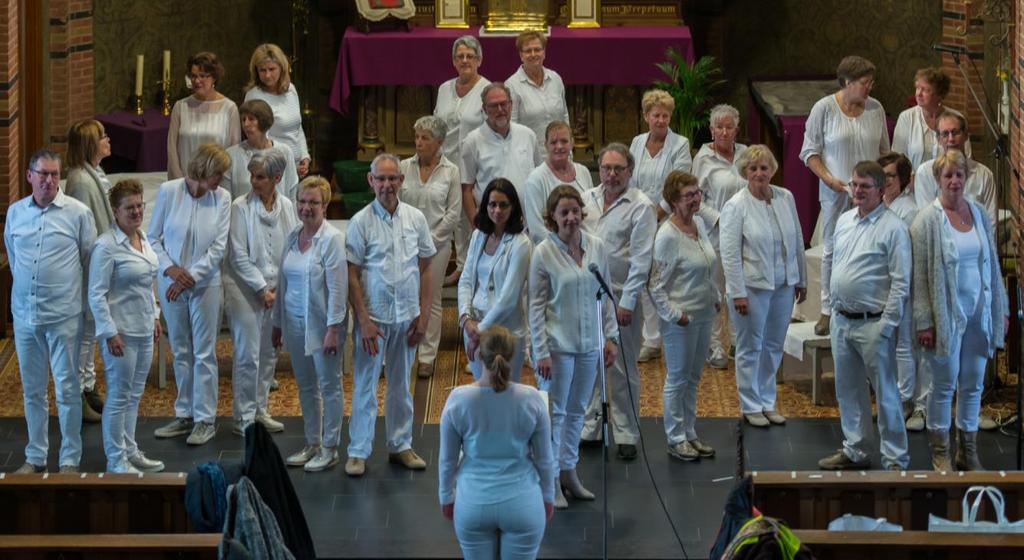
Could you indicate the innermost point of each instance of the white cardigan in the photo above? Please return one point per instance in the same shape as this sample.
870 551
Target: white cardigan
326 286
169 227
506 283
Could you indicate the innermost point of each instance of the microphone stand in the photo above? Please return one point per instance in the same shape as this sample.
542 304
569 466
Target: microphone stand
604 426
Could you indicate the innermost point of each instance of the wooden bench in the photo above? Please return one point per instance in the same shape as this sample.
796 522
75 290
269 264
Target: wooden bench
808 500
196 546
73 504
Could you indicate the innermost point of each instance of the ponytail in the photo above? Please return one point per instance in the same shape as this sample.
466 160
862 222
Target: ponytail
496 348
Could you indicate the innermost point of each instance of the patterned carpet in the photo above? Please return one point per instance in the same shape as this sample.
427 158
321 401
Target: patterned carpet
717 395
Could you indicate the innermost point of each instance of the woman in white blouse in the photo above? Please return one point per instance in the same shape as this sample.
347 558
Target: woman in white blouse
460 105
496 452
270 81
683 288
960 308
432 185
916 128
762 249
189 233
122 274
205 117
558 169
257 117
568 336
842 129
657 152
88 144
310 319
538 94
493 283
260 223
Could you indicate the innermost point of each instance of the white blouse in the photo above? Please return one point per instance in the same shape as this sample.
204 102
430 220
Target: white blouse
462 114
650 172
236 179
682 276
717 177
504 287
539 185
121 281
191 232
287 125
843 141
562 308
913 138
440 198
537 106
627 228
194 123
256 240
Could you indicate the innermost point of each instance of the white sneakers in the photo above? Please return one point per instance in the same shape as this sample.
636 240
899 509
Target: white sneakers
202 432
303 456
326 458
145 464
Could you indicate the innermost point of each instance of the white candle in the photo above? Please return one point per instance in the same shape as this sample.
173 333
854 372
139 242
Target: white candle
167 65
138 75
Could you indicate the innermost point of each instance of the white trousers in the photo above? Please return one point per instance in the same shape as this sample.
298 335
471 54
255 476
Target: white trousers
720 328
685 351
395 356
831 209
320 389
963 372
192 324
43 348
570 387
439 265
864 359
518 358
651 334
87 354
510 530
462 233
622 384
255 356
759 338
126 380
913 374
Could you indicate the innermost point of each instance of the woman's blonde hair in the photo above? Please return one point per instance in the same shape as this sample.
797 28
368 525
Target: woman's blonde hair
316 183
950 158
656 97
756 153
83 142
209 160
496 348
269 52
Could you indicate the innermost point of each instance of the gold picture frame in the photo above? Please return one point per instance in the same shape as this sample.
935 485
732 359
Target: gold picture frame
451 14
584 14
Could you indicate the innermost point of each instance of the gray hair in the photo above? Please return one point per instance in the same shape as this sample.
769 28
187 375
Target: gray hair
42 153
468 41
493 86
382 158
433 125
271 161
622 150
719 112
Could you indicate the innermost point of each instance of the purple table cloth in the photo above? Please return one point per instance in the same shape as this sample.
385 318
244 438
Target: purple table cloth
139 138
423 56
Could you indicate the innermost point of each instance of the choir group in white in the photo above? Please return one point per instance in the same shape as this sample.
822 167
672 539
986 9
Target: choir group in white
911 291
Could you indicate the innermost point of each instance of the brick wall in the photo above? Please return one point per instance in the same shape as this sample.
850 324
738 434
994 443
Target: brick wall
963 29
71 68
9 124
1016 135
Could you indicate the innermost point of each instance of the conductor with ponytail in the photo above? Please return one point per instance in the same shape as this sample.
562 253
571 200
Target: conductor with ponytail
506 475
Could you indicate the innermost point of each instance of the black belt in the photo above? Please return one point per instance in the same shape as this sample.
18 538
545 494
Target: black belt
859 315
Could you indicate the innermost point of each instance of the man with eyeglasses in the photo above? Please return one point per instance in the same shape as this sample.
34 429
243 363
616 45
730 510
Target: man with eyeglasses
390 249
981 184
48 237
498 148
624 219
870 285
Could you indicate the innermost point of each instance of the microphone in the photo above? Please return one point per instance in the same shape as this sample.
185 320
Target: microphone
952 49
600 280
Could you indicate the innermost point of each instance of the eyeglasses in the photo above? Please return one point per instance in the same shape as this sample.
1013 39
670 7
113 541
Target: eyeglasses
532 50
613 168
387 178
499 105
464 57
499 205
691 195
855 185
46 174
134 207
950 133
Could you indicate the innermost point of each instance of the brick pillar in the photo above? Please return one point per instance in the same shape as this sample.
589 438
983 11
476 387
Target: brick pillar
9 126
962 28
1016 135
71 68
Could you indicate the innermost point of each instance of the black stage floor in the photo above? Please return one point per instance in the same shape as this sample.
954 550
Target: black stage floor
394 513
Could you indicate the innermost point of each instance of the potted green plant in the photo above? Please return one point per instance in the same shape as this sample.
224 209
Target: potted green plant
691 86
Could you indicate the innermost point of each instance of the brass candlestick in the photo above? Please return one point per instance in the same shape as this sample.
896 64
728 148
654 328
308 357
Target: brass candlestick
165 88
138 104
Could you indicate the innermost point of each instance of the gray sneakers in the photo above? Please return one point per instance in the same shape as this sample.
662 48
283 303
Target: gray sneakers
326 458
174 428
303 456
684 451
202 432
29 468
916 421
145 464
757 419
648 353
838 461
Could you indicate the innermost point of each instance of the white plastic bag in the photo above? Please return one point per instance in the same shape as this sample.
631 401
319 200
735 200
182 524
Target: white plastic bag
850 522
969 515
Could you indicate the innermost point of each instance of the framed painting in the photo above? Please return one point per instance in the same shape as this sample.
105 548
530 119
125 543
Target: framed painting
452 14
584 13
